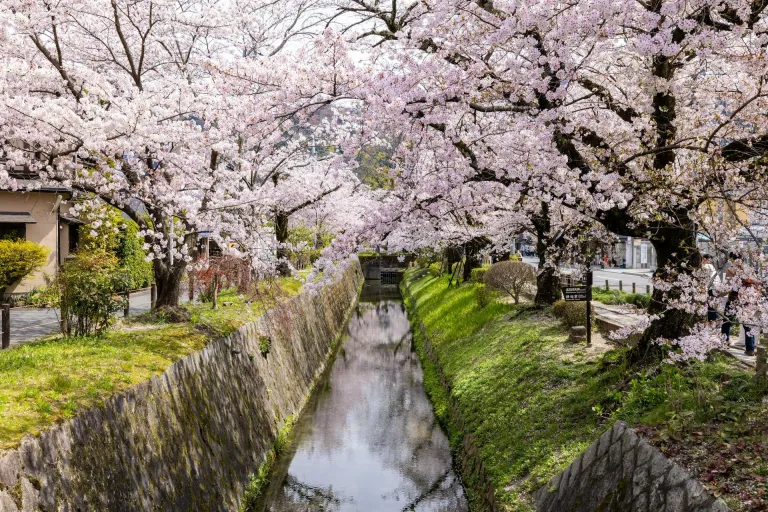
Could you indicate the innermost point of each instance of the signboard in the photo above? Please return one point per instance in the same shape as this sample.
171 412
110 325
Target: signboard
576 293
644 254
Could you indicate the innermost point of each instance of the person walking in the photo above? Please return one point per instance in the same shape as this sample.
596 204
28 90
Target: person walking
732 273
712 283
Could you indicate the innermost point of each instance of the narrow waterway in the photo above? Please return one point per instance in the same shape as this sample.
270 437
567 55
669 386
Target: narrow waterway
368 440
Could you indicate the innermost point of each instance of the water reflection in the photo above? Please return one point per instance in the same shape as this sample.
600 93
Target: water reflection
369 441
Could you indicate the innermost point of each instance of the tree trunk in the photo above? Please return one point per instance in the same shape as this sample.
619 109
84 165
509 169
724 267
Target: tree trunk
677 254
472 249
548 276
281 234
547 287
168 281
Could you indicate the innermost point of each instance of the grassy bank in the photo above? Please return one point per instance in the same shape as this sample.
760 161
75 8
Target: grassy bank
46 382
532 402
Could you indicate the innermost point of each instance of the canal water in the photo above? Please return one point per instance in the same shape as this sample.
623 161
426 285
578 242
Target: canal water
368 440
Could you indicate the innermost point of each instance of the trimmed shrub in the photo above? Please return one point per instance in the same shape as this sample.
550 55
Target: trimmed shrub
478 274
641 300
617 298
18 259
484 296
571 313
434 269
87 286
510 277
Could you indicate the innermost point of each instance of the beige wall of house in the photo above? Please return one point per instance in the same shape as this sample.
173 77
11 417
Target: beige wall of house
40 206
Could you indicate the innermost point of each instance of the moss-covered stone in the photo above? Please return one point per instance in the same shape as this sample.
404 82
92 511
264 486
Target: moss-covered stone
188 438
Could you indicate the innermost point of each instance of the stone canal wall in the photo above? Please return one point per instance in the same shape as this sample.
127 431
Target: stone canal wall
621 472
188 438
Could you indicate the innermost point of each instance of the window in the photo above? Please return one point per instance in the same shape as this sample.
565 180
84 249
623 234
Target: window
74 237
13 231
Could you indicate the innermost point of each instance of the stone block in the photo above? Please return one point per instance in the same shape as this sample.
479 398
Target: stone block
589 456
620 471
10 466
6 503
676 500
577 334
29 502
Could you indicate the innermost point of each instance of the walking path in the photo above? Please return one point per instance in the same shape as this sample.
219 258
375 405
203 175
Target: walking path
640 277
621 316
32 323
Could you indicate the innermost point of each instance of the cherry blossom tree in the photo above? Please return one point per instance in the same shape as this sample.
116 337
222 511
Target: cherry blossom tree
126 101
634 114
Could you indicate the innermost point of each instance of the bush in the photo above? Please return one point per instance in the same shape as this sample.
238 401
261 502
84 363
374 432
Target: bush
484 296
18 259
641 300
510 277
617 298
87 285
106 230
43 296
221 273
133 258
610 297
478 274
571 313
434 269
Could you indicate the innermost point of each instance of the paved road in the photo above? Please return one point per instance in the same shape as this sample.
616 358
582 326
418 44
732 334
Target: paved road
641 277
32 323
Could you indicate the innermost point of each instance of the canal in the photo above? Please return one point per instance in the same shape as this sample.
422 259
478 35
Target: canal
368 439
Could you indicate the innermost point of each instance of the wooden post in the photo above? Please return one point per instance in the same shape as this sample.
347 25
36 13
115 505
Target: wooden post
191 289
153 296
127 305
607 286
634 287
621 286
6 327
648 289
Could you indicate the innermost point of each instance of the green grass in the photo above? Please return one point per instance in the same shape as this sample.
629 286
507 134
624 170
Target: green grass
48 381
533 402
236 309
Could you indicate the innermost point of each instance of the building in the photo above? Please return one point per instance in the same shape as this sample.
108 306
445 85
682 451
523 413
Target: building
635 253
38 214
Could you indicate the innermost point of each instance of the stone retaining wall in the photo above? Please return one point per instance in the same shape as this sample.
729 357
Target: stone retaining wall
621 472
186 439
